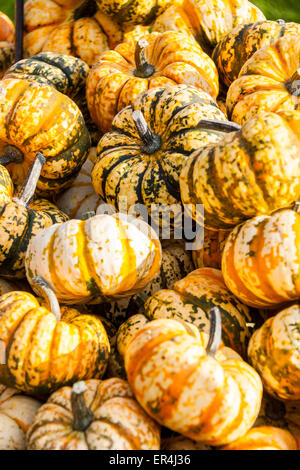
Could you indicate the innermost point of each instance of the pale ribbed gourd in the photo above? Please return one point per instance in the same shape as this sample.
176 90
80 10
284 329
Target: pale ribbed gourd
93 415
194 391
34 118
261 260
99 259
253 171
47 348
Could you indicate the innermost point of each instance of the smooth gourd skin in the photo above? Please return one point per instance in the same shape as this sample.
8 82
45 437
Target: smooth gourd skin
113 84
119 423
207 21
264 438
43 354
53 26
192 297
37 118
252 171
261 260
96 260
264 81
125 174
81 198
16 415
209 400
233 51
273 352
66 73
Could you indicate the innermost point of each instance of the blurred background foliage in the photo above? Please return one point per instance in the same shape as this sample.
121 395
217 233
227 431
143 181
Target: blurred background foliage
288 10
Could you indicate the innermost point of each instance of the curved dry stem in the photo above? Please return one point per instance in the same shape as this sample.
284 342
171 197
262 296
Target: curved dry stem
82 415
28 187
48 294
150 142
143 68
215 331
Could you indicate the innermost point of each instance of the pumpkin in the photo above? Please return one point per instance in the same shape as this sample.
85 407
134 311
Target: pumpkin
47 348
268 81
80 198
7 47
21 219
140 160
37 118
285 415
135 66
16 415
264 438
74 28
234 49
93 415
95 260
176 263
7 28
208 249
191 299
135 11
273 352
207 21
252 171
261 262
192 390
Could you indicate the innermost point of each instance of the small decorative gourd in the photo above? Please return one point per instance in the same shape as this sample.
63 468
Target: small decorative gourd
21 218
93 415
47 348
16 415
158 59
96 260
264 438
260 261
273 351
268 82
194 391
35 117
252 171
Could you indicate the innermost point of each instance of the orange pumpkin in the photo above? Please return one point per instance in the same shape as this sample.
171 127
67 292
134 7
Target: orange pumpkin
264 438
7 28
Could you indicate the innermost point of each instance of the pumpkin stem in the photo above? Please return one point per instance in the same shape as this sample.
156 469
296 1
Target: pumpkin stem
48 294
293 84
19 16
143 68
28 187
222 126
150 142
11 154
86 9
215 331
83 416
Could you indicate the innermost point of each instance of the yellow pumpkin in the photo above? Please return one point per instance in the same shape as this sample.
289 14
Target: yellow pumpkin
93 415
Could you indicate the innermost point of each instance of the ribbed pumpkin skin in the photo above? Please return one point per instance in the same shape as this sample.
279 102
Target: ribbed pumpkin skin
208 21
43 354
119 423
81 198
16 415
175 264
209 400
135 11
96 260
209 255
284 415
51 26
124 170
37 118
263 83
192 297
7 28
261 260
113 84
273 351
264 438
67 74
252 171
233 51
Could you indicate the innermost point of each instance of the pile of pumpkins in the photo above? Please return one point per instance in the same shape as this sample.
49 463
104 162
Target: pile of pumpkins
112 335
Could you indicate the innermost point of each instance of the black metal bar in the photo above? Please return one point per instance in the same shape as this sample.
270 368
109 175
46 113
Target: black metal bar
19 22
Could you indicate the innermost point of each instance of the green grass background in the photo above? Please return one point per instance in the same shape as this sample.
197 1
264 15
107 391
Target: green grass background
288 10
